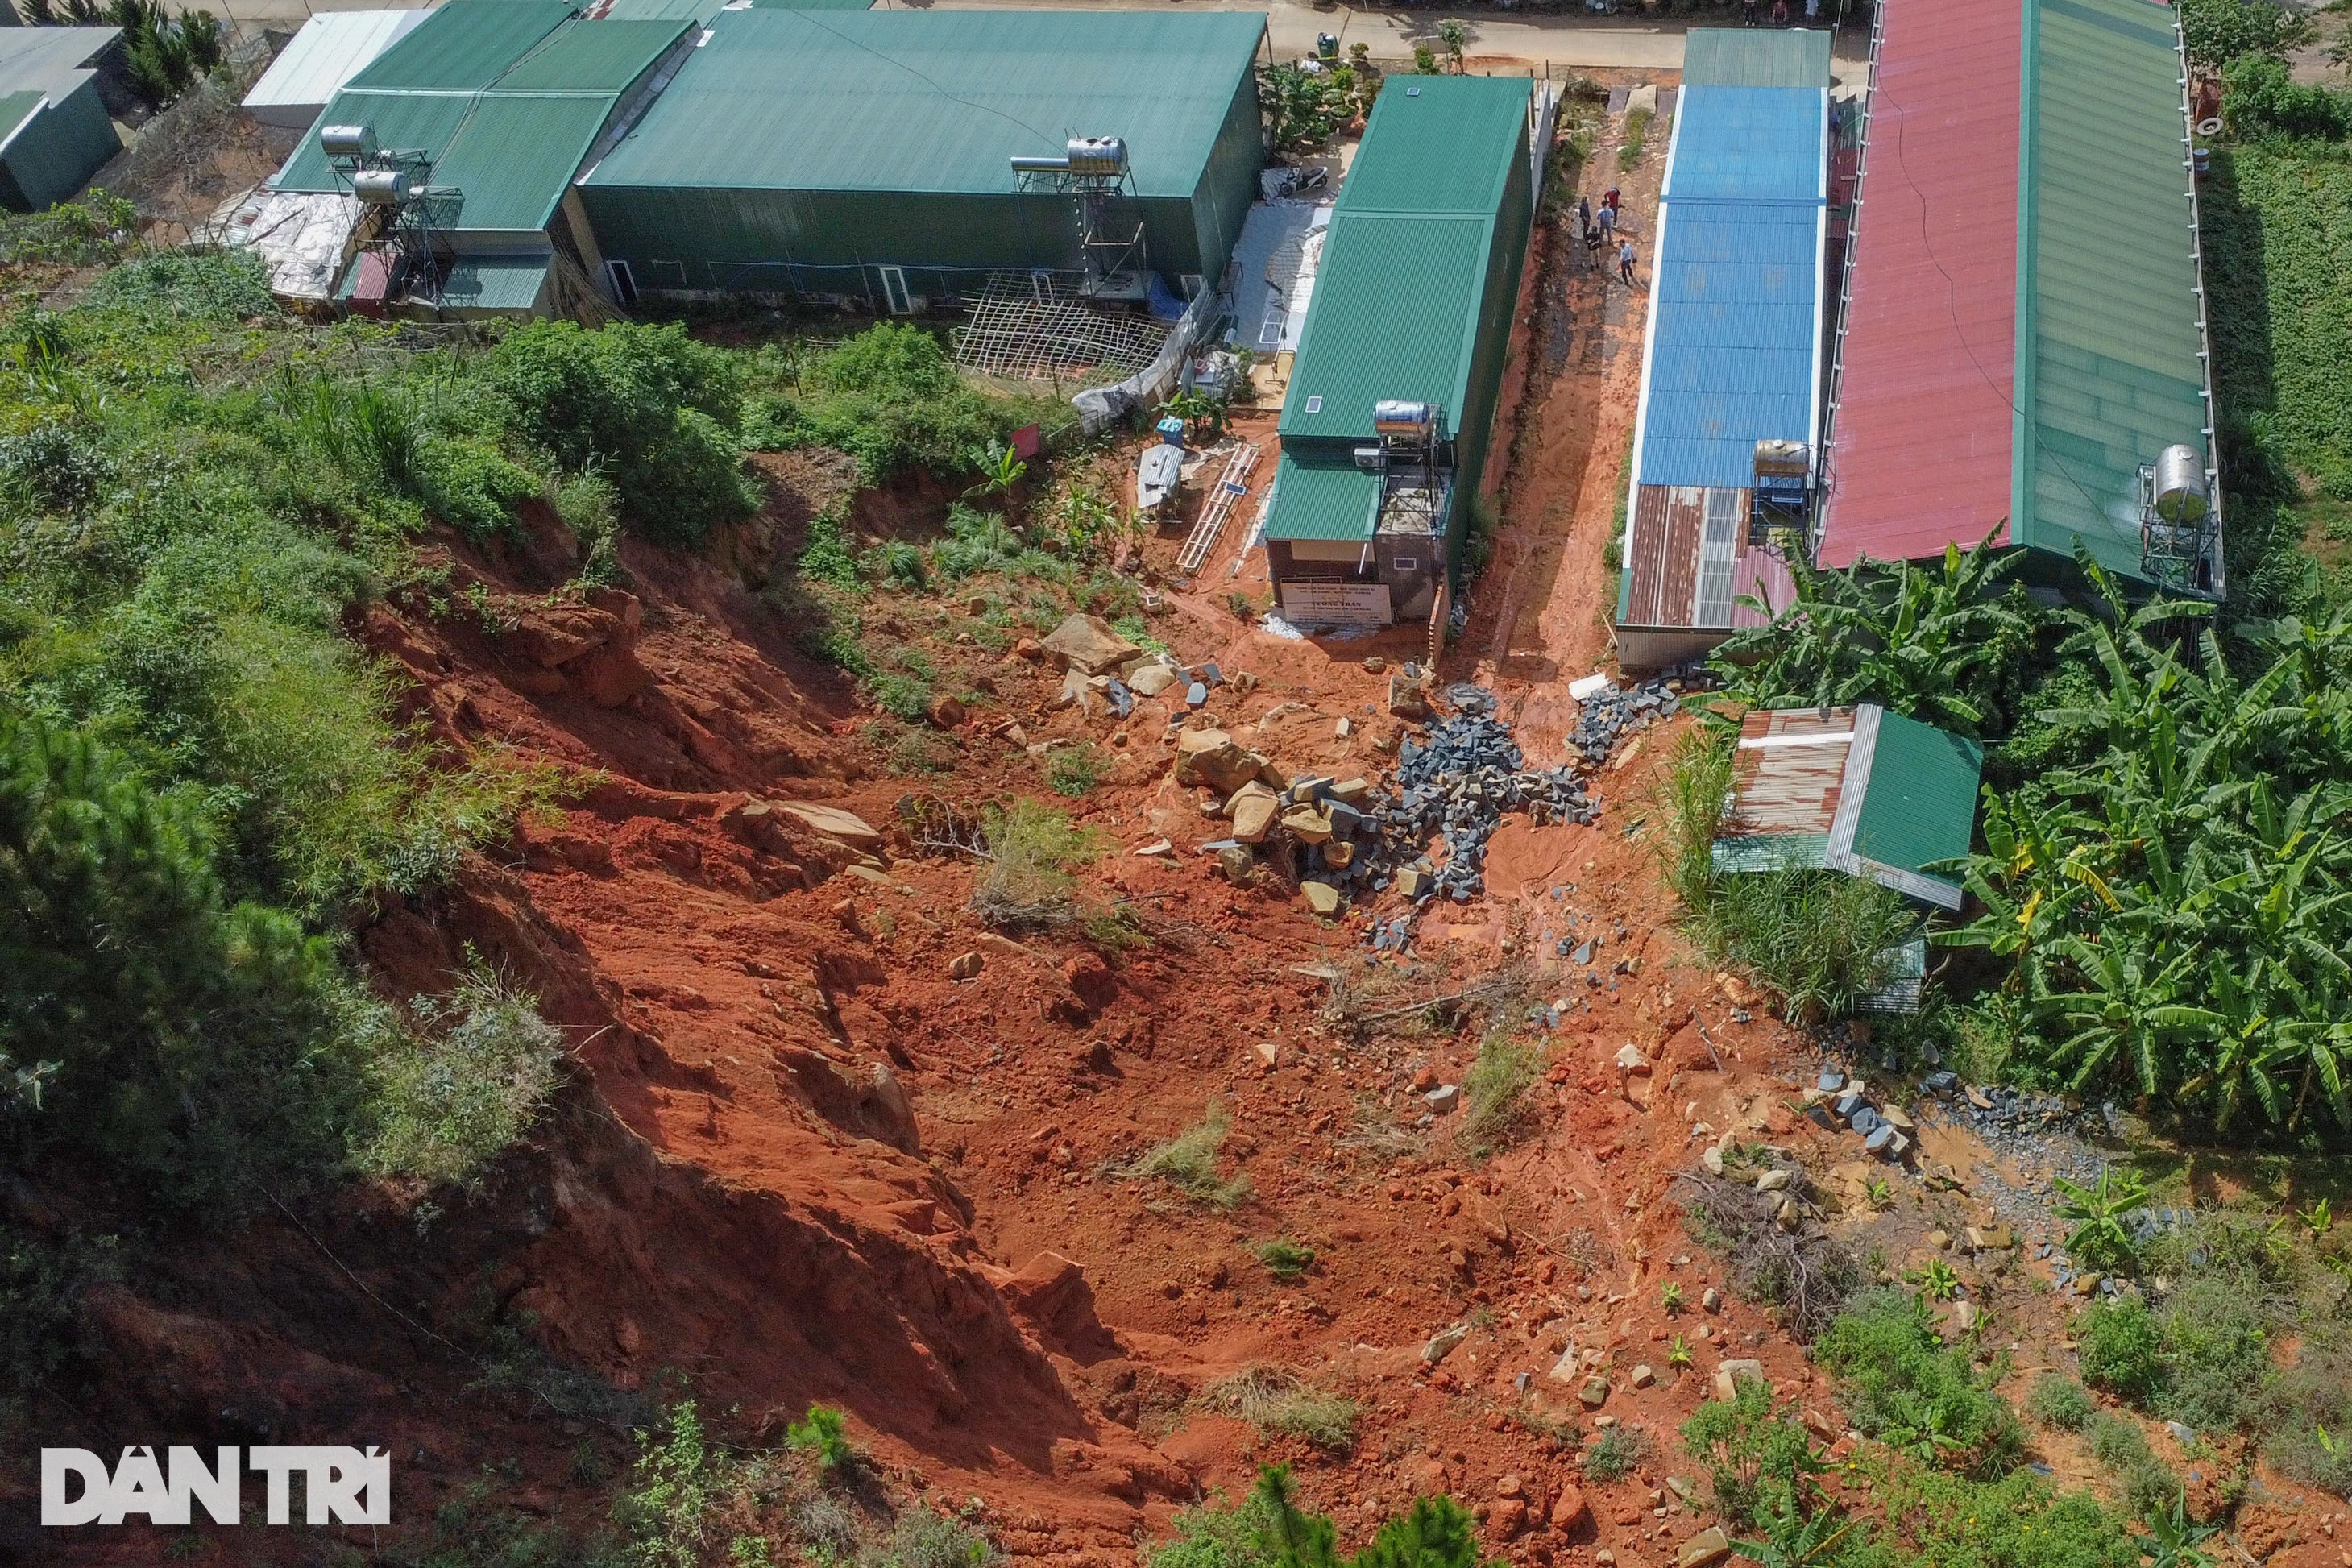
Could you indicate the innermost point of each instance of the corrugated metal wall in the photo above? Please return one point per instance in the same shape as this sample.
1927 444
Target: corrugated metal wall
1513 223
61 147
702 240
1227 186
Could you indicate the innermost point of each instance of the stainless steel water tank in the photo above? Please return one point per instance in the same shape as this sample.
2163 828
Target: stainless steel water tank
346 140
2180 484
1396 416
1098 156
381 187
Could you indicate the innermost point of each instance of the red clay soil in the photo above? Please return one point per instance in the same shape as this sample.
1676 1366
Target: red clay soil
796 1161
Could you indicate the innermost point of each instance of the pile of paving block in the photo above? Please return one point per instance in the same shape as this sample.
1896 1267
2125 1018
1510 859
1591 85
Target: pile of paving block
1838 1102
1458 785
1607 715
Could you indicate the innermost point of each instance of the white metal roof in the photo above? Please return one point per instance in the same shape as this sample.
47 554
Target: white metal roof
333 47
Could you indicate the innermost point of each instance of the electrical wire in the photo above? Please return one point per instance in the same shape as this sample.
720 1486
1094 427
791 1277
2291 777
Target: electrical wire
1952 298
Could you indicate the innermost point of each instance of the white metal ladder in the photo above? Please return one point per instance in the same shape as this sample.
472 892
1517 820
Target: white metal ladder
1231 485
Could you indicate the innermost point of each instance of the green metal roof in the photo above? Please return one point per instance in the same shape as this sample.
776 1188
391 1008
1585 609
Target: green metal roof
2109 373
511 141
1757 57
495 282
1322 498
510 156
1441 146
1919 802
812 4
463 46
602 57
1394 315
664 10
14 107
1397 299
937 100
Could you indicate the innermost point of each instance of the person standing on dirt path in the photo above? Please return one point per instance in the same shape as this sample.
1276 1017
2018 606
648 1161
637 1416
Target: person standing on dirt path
1779 13
1626 261
1747 13
1584 215
1609 198
1608 221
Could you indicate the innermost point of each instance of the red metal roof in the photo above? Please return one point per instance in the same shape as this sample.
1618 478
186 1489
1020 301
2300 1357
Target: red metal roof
1920 451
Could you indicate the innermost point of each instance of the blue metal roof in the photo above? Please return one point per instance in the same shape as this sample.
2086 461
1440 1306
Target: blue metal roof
1749 144
1734 325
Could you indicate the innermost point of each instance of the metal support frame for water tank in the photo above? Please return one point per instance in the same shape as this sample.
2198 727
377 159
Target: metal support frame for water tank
420 210
1095 171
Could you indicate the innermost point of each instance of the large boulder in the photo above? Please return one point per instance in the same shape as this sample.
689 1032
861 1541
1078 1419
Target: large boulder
1087 643
1210 758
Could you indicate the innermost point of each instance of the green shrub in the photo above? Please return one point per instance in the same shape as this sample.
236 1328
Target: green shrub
901 695
470 484
823 1434
2217 1354
647 407
2307 1419
2147 1485
1286 1259
446 1102
1033 855
2219 32
1904 1386
1616 1453
1753 1452
2123 1350
2019 1521
2059 1401
826 555
889 397
2261 98
193 285
1075 770
923 1539
1218 1534
203 1045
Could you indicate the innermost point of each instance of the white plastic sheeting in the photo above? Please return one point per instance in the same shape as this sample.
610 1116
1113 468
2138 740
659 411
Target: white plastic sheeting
303 236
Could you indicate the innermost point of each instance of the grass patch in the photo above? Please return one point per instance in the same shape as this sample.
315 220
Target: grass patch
1495 1111
1616 1453
1818 941
1276 1399
1286 1259
1637 133
2146 1485
1188 1162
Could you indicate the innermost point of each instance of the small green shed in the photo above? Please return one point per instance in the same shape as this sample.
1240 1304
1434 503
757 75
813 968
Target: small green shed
1858 789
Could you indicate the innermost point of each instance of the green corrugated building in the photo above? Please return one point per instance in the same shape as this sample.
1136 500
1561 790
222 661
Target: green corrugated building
866 155
506 100
1858 789
1412 302
54 130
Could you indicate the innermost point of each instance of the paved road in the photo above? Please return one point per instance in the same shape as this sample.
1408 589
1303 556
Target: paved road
1576 42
